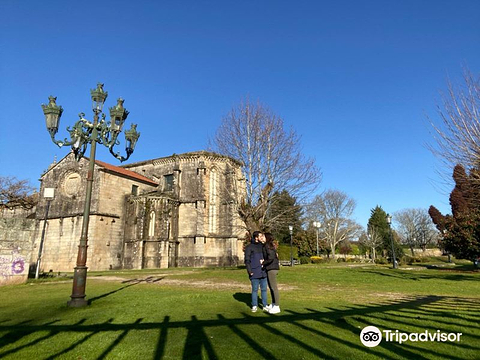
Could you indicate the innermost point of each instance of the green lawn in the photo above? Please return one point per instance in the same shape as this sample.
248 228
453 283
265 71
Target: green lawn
204 313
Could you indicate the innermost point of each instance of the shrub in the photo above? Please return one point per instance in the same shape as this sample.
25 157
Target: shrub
341 259
284 252
381 261
304 260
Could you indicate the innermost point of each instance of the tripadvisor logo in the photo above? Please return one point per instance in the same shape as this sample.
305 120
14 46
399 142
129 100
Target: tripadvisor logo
371 336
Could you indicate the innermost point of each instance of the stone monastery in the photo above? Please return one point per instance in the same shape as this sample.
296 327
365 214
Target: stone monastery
178 210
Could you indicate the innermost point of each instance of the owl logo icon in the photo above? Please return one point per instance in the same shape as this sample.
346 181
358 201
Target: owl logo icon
370 336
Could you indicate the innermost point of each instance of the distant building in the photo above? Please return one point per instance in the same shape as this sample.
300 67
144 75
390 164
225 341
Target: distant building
166 212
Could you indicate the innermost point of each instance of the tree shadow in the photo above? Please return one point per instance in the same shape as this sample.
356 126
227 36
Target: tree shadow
399 274
131 282
315 331
108 294
147 280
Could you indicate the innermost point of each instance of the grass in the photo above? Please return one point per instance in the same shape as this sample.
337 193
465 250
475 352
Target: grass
204 313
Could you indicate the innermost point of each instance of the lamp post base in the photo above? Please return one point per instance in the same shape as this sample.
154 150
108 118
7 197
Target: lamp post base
77 302
79 282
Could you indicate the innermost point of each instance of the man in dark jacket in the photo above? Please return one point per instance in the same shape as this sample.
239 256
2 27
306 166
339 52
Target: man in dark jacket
258 275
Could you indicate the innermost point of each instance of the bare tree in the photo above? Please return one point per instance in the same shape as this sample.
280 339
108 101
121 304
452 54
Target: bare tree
457 131
371 239
333 209
427 232
16 193
272 162
415 228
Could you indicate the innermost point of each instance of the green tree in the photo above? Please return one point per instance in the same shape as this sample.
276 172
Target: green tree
378 223
306 242
283 211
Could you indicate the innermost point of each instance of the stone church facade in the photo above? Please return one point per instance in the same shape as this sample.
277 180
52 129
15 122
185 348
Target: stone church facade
173 211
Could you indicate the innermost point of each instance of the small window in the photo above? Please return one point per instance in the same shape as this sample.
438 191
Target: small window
134 189
168 186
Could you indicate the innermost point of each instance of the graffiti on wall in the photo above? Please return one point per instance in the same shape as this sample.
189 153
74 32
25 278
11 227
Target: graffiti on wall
12 264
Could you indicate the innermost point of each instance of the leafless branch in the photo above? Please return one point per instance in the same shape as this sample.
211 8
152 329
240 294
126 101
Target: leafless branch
16 193
272 160
333 209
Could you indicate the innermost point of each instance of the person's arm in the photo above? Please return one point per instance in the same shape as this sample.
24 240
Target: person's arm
248 260
268 259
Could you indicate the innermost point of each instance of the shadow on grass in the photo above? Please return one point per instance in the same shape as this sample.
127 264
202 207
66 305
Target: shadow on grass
132 282
245 298
316 331
108 294
409 275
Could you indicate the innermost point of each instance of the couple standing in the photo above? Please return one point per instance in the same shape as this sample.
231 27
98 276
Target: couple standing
261 259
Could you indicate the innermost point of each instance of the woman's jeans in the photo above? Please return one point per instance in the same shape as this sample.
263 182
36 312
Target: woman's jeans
263 289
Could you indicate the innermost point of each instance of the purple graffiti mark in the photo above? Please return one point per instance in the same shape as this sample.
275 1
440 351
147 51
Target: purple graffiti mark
18 266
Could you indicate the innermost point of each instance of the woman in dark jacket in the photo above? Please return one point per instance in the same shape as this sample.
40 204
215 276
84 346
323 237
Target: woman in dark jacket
272 266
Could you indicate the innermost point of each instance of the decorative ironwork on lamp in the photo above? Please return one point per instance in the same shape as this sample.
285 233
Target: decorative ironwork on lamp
83 132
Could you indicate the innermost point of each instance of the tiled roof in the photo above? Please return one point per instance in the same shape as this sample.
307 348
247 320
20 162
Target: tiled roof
121 171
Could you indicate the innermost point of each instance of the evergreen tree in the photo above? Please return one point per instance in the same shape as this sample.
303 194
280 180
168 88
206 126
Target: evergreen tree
461 230
378 222
284 211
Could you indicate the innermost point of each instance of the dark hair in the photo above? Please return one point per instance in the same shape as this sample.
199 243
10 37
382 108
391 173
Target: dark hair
255 235
270 243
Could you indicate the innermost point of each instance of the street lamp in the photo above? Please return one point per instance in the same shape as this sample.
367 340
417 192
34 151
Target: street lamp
389 221
83 133
317 225
290 228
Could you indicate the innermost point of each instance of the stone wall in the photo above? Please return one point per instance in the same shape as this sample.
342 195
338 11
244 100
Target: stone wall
17 212
427 252
16 249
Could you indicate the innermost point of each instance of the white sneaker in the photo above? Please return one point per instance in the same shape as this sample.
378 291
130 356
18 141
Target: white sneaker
274 310
254 309
268 307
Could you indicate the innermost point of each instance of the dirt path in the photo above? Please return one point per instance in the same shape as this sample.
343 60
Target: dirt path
164 280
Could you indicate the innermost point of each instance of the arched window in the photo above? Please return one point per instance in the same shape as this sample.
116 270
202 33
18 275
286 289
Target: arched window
151 225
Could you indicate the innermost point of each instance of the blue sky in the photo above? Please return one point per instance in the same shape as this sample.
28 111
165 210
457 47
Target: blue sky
355 79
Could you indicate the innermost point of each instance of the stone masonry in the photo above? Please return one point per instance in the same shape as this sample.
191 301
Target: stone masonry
166 212
16 249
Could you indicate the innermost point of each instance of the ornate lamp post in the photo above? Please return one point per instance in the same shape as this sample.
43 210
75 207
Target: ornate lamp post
389 221
317 225
83 133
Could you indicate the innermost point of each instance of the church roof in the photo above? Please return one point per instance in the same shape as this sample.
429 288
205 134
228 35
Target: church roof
124 172
193 154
